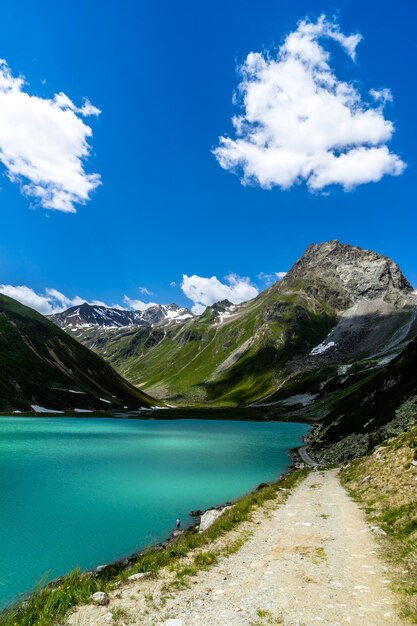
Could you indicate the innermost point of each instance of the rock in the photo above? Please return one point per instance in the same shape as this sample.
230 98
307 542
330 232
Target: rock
173 622
137 576
196 513
377 530
209 517
101 598
106 618
365 480
178 532
100 568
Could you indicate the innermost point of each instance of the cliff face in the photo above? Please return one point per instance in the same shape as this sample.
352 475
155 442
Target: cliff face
351 273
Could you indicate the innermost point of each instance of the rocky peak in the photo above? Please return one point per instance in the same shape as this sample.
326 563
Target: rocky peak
165 314
87 315
350 271
221 306
219 311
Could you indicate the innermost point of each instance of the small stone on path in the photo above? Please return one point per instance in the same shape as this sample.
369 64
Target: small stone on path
101 598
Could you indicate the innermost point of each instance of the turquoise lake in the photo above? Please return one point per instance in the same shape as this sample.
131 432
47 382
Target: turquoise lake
83 492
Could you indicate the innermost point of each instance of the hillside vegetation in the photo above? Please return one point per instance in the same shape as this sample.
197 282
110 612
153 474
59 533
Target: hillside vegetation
385 483
43 366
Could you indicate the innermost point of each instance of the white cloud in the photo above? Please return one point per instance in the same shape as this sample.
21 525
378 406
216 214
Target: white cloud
270 278
172 283
145 291
137 305
205 291
280 275
52 301
301 123
382 95
44 144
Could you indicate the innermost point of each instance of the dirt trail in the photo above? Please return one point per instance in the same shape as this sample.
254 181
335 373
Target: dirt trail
311 561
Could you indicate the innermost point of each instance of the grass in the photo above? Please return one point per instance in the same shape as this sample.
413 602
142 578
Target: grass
267 619
203 559
324 515
319 555
49 605
384 484
119 615
234 546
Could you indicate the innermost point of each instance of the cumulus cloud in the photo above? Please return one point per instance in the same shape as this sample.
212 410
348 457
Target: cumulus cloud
205 291
52 301
299 122
145 291
280 275
137 305
44 144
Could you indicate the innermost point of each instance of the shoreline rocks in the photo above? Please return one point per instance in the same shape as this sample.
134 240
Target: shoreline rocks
209 517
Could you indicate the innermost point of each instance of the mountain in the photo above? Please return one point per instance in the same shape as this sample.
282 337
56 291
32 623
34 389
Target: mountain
42 367
338 309
361 411
88 315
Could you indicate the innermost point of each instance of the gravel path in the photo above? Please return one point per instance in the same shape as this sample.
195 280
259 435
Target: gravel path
304 456
310 561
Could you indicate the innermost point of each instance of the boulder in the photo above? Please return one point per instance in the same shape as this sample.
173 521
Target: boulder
100 568
377 530
137 576
209 517
100 598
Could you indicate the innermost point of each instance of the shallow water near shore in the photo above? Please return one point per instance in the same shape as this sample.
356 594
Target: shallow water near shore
82 492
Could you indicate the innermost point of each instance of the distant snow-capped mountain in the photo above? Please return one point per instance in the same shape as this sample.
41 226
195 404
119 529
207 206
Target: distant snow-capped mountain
88 315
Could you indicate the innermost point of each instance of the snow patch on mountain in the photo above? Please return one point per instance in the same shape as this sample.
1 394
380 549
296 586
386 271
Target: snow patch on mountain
92 316
323 347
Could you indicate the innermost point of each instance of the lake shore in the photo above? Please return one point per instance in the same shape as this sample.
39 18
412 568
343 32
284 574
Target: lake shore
303 557
174 446
79 586
244 414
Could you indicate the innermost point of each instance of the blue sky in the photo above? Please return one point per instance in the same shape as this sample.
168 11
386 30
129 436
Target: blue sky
163 75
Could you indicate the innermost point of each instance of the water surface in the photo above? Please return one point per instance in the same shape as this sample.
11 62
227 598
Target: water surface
82 492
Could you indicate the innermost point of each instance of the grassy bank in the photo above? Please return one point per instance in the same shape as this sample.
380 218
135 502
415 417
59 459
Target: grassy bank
384 483
49 605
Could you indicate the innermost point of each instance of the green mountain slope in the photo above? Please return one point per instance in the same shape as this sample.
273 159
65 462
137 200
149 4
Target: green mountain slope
233 362
42 366
355 301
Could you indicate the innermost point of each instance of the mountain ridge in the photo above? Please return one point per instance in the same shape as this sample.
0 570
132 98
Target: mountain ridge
90 315
338 305
46 370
